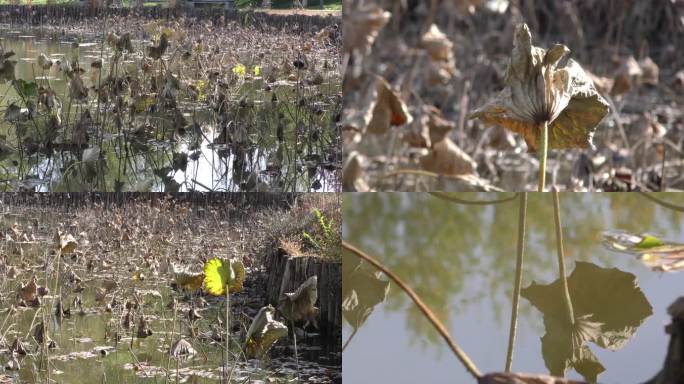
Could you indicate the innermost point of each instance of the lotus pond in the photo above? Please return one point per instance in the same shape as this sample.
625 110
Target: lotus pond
125 301
461 259
132 104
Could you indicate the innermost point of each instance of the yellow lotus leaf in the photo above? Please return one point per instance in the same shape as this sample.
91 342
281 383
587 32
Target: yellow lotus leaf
541 87
217 274
240 69
441 66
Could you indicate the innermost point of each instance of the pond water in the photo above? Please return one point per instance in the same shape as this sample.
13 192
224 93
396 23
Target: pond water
461 260
270 146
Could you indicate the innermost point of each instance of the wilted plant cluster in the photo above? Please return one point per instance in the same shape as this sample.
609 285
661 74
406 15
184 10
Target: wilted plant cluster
150 105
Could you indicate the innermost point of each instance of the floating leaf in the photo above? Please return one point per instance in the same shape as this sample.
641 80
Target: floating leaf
608 306
655 253
539 88
217 274
649 242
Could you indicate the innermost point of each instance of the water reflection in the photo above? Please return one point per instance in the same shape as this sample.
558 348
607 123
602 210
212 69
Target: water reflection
461 261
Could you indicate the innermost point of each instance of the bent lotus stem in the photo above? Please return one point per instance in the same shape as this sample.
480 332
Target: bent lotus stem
441 329
561 256
522 215
663 203
543 151
457 200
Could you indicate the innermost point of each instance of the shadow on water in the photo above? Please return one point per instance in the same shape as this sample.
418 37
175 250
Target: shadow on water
460 259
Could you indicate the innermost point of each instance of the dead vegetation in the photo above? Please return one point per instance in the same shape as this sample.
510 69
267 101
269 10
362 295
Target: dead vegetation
89 276
416 71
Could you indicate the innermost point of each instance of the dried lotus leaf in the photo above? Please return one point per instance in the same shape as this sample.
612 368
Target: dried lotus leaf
381 108
352 174
362 26
389 109
447 158
540 87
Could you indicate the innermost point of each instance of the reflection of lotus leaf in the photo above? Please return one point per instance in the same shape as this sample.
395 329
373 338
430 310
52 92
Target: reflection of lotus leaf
263 332
608 305
361 291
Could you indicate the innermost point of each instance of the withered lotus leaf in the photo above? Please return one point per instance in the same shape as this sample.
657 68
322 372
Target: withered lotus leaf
299 305
362 26
540 87
447 158
440 51
382 107
430 128
352 174
263 332
28 291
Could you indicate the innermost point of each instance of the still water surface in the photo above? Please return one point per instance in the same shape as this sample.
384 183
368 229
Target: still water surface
461 261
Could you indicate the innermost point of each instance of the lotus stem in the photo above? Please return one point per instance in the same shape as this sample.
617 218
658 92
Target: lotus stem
294 338
441 329
561 256
650 196
227 331
543 151
457 200
522 216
